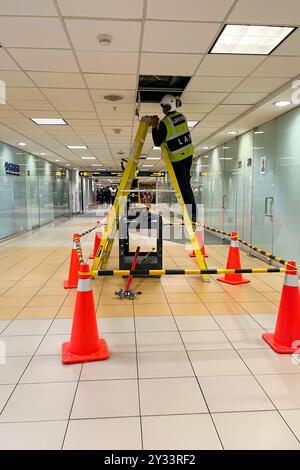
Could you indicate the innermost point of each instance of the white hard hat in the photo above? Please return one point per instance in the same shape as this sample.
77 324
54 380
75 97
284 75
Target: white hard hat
169 102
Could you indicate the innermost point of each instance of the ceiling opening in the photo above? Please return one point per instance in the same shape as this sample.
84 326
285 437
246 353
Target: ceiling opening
153 87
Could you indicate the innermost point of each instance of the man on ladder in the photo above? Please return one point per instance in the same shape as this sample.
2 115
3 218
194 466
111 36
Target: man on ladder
173 130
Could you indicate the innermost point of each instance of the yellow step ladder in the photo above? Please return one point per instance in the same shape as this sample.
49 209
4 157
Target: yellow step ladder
111 229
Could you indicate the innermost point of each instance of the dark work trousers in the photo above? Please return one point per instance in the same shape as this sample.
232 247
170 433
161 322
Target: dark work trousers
182 171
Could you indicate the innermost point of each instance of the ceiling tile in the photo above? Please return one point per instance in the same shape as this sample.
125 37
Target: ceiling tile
244 98
23 94
279 67
16 79
128 96
260 84
228 109
110 62
169 64
220 118
83 123
32 32
79 114
102 8
72 100
110 81
228 65
198 97
291 46
217 84
6 62
45 60
195 10
257 12
116 122
28 8
84 33
34 105
197 108
57 80
159 36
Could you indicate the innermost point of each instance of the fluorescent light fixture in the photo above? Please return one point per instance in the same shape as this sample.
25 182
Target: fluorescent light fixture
254 40
77 147
259 132
206 147
149 166
43 154
205 156
232 132
192 124
156 148
153 158
22 144
226 158
49 122
97 164
88 158
283 103
57 160
225 148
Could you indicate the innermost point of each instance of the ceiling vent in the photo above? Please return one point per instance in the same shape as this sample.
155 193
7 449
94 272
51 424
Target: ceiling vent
105 39
117 131
153 87
113 97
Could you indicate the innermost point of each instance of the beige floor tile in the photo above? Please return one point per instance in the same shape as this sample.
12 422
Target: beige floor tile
155 298
37 312
189 309
46 301
226 308
214 297
8 313
200 286
20 292
16 301
259 307
109 299
141 310
182 298
272 296
56 291
124 310
66 311
30 283
178 288
247 296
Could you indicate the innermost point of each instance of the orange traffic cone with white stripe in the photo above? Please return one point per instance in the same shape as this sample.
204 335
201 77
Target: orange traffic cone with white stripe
85 344
97 241
233 262
72 281
200 238
286 338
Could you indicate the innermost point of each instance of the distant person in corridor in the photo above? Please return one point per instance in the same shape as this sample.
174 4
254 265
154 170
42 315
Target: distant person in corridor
173 130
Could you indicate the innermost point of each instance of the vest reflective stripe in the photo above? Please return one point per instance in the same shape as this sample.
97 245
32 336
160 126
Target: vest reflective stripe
179 141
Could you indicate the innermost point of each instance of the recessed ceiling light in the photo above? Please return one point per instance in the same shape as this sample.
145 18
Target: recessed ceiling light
148 166
283 103
244 39
192 124
206 147
77 147
225 148
259 132
205 156
68 164
49 122
153 158
232 132
57 160
88 158
22 144
156 148
43 154
97 164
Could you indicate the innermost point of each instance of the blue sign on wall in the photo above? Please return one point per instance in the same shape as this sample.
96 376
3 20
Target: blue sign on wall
12 169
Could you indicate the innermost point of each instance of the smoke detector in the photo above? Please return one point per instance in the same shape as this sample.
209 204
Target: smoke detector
105 39
113 97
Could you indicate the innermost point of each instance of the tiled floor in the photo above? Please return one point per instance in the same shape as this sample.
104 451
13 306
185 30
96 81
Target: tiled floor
188 368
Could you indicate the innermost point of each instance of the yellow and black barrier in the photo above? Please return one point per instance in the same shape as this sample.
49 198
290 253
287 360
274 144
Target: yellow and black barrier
252 247
79 250
186 272
87 231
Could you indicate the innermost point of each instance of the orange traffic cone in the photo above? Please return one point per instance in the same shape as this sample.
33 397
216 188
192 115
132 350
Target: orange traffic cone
200 238
286 339
233 262
85 344
97 241
72 281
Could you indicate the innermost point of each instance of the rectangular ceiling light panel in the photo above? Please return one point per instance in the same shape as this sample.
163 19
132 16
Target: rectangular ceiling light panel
49 122
255 40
